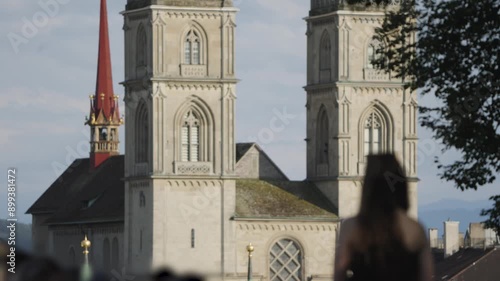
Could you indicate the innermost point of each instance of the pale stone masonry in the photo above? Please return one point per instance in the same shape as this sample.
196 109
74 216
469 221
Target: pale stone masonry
185 195
352 108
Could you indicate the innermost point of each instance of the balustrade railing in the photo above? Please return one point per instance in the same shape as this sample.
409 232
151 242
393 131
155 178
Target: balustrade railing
105 146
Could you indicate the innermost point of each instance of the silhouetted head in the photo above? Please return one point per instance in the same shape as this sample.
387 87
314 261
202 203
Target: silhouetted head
385 186
164 275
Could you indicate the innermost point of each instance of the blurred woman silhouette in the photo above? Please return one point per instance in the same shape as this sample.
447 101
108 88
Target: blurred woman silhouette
382 242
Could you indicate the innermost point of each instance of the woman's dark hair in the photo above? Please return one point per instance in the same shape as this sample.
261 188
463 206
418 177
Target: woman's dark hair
385 190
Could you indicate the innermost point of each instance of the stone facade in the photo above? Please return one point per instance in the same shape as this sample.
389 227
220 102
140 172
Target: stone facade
344 94
180 166
106 252
179 69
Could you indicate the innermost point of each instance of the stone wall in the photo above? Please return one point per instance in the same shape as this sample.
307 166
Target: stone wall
316 241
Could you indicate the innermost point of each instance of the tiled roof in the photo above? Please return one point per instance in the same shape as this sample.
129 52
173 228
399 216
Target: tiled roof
83 196
70 182
487 268
261 199
80 195
446 268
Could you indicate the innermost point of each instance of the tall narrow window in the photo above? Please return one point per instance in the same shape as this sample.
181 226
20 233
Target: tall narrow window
72 256
373 134
141 44
192 238
190 138
106 251
285 261
140 241
141 133
115 254
192 48
322 137
142 199
325 58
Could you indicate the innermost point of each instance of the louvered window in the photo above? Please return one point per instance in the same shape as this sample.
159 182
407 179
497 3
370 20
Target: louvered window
192 48
373 134
190 138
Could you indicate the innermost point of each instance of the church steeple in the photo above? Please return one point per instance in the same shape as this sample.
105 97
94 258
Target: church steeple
104 111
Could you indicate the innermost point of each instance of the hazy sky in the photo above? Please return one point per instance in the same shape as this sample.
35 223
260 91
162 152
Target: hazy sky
48 61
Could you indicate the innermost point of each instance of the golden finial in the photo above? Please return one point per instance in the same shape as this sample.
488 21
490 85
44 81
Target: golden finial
116 97
250 249
102 96
86 245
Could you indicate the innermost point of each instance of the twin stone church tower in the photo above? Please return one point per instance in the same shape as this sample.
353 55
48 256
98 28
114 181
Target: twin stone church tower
192 198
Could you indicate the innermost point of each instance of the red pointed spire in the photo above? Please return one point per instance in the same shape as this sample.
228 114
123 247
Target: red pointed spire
105 117
104 95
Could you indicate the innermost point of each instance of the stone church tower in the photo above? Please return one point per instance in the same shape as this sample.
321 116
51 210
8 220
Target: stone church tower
180 150
353 109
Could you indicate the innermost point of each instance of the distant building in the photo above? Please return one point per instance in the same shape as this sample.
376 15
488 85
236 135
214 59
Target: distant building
473 256
185 194
477 236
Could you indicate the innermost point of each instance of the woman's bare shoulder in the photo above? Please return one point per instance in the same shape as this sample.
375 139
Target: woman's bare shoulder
413 233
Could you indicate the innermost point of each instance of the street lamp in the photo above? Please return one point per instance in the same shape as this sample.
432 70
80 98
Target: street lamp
250 249
86 273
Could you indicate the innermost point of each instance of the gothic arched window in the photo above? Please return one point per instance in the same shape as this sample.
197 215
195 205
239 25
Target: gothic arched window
190 138
325 57
141 44
141 133
286 262
322 137
373 134
194 138
376 132
192 48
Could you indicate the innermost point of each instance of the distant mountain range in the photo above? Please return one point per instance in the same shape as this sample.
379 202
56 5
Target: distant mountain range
466 212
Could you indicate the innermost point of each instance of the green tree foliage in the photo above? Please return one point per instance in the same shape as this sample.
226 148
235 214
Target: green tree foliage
494 215
455 58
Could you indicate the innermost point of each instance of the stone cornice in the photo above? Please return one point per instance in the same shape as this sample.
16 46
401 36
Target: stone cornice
354 84
293 225
355 178
184 11
96 229
138 182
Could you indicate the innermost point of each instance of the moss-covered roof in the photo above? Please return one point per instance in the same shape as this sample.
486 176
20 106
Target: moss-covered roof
261 199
